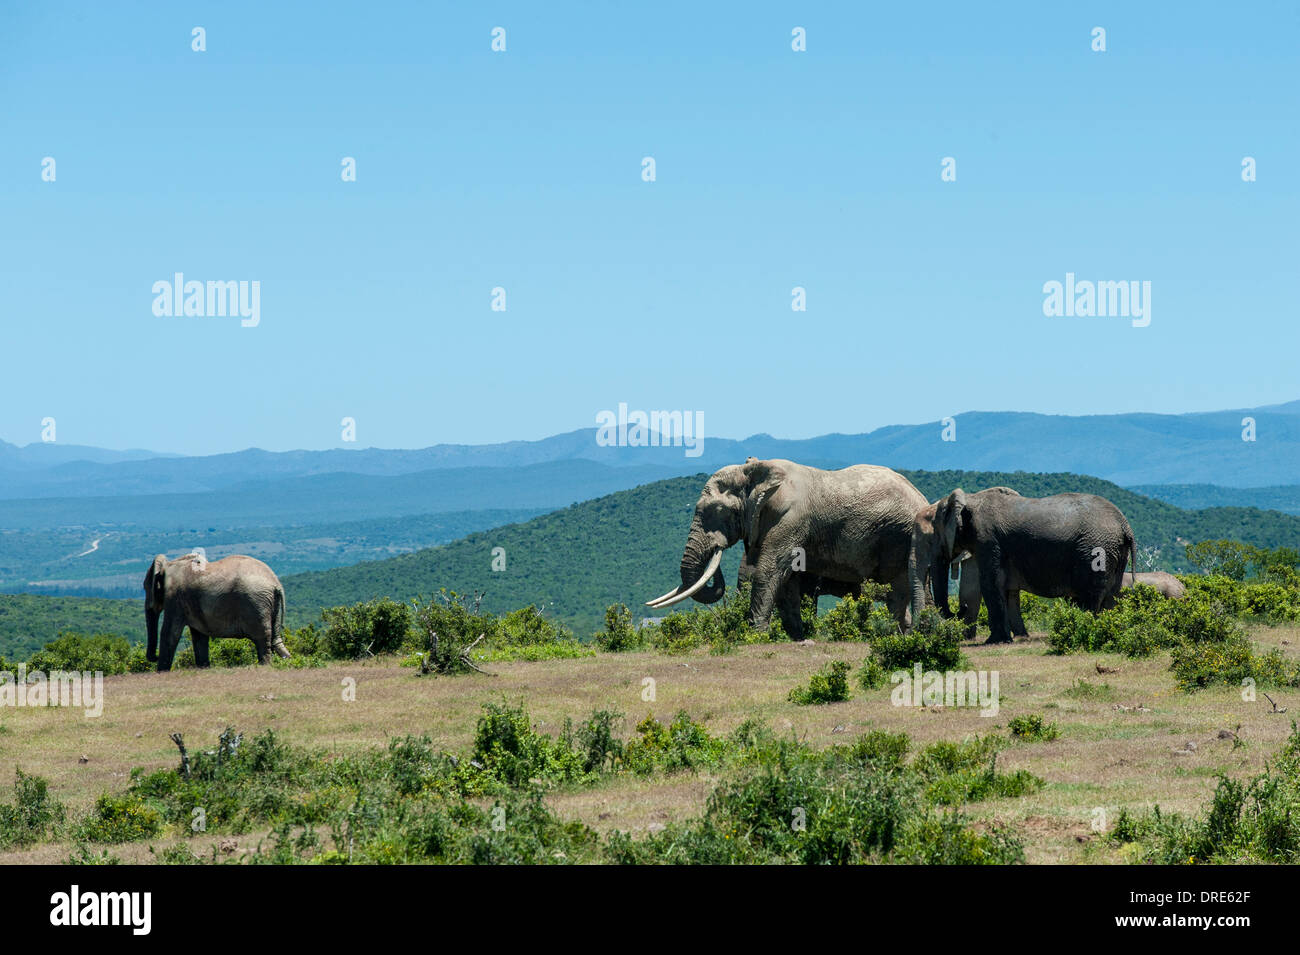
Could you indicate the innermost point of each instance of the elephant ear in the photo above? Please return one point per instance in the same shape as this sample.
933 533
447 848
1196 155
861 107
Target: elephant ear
157 577
762 482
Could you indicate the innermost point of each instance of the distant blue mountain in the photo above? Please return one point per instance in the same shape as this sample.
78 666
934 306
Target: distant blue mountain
1128 449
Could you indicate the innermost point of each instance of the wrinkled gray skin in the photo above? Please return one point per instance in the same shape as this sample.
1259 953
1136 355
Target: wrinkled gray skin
853 524
1069 545
968 610
236 596
1168 585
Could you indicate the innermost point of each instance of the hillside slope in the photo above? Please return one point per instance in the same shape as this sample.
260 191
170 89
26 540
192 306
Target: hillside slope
621 548
626 547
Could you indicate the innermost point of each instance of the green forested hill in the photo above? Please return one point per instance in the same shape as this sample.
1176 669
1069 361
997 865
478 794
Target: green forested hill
624 547
28 622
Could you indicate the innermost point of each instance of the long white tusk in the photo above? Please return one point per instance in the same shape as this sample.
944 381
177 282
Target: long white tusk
651 603
704 579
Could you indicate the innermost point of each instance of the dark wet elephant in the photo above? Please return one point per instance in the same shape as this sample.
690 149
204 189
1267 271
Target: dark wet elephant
1068 545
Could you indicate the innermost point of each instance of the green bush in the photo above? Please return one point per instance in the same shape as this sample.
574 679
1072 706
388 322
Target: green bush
792 804
119 819
619 636
509 749
31 815
934 642
106 653
370 628
446 629
1257 821
830 685
859 618
682 744
1198 665
1032 727
721 625
956 773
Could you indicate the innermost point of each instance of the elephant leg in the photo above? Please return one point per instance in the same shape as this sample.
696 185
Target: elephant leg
769 577
262 647
200 642
898 602
788 606
172 626
1013 614
991 590
969 607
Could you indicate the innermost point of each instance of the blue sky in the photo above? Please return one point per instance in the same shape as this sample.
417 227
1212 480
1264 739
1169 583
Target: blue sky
522 170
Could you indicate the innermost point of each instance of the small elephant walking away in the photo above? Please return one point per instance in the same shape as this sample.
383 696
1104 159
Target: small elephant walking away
236 596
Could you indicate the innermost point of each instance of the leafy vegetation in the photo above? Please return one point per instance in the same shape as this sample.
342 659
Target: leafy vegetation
830 685
1032 727
1203 633
1257 821
779 800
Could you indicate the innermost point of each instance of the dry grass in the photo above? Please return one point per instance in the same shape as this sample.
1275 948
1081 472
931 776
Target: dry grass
1126 749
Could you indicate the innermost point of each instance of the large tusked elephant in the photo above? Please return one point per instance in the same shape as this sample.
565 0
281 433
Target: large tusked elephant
1068 545
236 596
798 524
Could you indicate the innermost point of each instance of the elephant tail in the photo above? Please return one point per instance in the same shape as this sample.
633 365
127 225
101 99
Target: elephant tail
1133 553
277 625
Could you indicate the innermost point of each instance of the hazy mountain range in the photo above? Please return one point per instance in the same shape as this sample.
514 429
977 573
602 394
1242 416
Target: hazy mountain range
82 520
1128 449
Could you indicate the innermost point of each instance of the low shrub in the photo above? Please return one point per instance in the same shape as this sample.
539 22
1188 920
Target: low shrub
32 815
106 653
681 745
1257 821
619 636
829 685
365 629
934 642
1033 727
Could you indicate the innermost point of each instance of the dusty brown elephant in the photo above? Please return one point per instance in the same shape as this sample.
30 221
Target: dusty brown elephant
236 596
799 523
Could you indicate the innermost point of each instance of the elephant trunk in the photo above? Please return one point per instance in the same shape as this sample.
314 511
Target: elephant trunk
700 571
919 561
151 627
939 576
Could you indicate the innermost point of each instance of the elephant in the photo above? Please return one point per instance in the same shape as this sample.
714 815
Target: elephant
1068 545
798 524
236 596
965 566
1168 585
